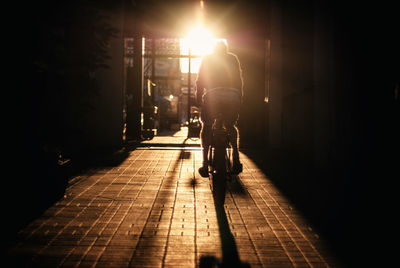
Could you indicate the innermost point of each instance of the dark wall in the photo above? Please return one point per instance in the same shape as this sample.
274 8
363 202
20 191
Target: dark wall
67 99
366 119
329 131
298 85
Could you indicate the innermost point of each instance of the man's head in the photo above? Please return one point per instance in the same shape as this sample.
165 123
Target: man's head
221 47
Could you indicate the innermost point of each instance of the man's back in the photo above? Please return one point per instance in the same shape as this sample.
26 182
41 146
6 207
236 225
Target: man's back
219 70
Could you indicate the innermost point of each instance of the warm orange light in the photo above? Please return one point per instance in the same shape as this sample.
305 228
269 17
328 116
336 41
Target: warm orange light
199 42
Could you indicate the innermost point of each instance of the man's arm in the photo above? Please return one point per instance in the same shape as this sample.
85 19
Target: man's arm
238 77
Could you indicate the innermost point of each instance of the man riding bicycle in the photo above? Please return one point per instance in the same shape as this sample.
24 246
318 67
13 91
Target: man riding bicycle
219 90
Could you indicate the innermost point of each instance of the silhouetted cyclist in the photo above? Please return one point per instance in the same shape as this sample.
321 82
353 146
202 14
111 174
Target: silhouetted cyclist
219 89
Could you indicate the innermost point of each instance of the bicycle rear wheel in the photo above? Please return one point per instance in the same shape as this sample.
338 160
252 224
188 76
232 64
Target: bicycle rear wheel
219 175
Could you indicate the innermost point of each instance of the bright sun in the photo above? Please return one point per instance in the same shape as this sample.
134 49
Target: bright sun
201 42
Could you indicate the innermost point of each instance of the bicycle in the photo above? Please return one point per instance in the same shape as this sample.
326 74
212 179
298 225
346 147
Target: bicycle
220 159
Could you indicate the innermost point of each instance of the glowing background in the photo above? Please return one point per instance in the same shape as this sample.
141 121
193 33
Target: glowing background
201 42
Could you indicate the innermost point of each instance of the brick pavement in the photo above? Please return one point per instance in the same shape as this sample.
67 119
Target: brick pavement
154 210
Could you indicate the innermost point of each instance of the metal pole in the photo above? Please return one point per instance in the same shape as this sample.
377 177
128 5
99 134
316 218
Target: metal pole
189 87
153 69
134 89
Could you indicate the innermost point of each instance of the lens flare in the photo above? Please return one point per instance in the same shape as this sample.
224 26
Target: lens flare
200 41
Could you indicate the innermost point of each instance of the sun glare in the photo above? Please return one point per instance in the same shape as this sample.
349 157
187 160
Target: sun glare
201 42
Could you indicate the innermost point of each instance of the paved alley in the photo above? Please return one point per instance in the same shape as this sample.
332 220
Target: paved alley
154 210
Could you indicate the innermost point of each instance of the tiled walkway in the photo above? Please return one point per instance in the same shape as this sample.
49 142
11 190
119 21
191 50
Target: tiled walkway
154 210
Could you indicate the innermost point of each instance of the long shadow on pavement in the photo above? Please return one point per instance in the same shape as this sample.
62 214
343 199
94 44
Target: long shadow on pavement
230 255
154 241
